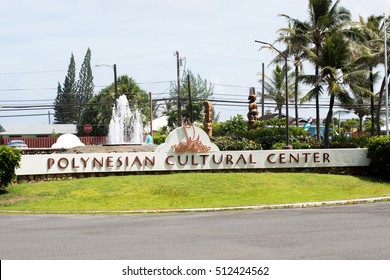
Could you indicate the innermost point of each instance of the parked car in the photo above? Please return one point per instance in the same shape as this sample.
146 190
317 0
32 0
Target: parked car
19 144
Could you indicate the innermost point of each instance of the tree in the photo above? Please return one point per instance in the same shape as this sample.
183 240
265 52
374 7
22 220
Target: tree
10 160
338 76
361 108
59 108
98 110
349 125
66 104
295 37
325 17
200 91
368 36
381 95
98 113
275 87
85 86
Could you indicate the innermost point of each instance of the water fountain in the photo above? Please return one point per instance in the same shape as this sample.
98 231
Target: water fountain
126 125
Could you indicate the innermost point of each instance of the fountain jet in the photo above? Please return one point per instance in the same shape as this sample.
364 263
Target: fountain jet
126 125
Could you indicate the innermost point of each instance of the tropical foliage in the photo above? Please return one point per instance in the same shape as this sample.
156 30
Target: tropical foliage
98 110
10 160
344 54
191 109
275 87
379 152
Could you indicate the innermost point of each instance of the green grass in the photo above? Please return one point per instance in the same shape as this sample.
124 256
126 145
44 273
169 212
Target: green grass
187 190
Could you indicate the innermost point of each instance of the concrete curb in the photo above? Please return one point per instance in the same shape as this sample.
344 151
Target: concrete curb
215 209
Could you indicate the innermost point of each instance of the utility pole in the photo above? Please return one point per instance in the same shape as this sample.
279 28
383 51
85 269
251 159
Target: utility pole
151 113
189 97
288 146
179 117
262 89
115 83
386 77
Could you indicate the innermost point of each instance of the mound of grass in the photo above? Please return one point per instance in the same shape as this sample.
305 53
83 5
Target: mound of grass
187 190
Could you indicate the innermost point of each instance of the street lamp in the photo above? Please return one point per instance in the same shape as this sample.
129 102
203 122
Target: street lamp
285 65
115 79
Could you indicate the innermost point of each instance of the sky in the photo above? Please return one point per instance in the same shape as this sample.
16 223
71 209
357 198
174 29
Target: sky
215 39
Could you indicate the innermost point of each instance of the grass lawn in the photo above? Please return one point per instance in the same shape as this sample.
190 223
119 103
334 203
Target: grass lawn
187 190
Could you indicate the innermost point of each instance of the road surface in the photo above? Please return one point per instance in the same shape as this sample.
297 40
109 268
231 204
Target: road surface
342 232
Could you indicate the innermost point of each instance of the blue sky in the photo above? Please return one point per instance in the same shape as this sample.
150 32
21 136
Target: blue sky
216 38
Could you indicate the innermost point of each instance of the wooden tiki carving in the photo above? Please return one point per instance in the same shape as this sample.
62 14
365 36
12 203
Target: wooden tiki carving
208 117
252 109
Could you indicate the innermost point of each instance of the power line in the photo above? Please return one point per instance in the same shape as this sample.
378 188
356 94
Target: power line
29 115
26 89
32 72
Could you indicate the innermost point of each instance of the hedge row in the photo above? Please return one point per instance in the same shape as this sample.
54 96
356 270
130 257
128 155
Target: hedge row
9 161
379 152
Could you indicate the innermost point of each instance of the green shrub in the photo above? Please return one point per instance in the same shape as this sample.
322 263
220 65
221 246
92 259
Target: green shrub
159 139
216 129
379 152
271 137
349 142
267 137
237 125
228 143
9 161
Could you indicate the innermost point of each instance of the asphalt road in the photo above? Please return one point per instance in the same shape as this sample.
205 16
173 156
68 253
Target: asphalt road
343 232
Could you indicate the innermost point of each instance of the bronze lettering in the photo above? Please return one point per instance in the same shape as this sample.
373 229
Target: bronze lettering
167 160
316 157
97 162
193 160
119 162
84 161
109 162
179 160
150 161
63 160
220 161
137 160
241 157
305 155
204 158
74 163
296 159
282 158
50 162
325 157
229 159
269 158
251 159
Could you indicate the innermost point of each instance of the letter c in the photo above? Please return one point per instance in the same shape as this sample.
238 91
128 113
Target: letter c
269 158
167 160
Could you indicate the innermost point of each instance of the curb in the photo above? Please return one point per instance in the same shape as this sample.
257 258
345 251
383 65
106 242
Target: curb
216 209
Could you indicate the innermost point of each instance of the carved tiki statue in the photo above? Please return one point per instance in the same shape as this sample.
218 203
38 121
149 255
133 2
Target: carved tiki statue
253 112
208 117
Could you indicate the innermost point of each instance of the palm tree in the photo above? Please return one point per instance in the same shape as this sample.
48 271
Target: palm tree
338 75
295 38
275 87
368 34
361 106
325 17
